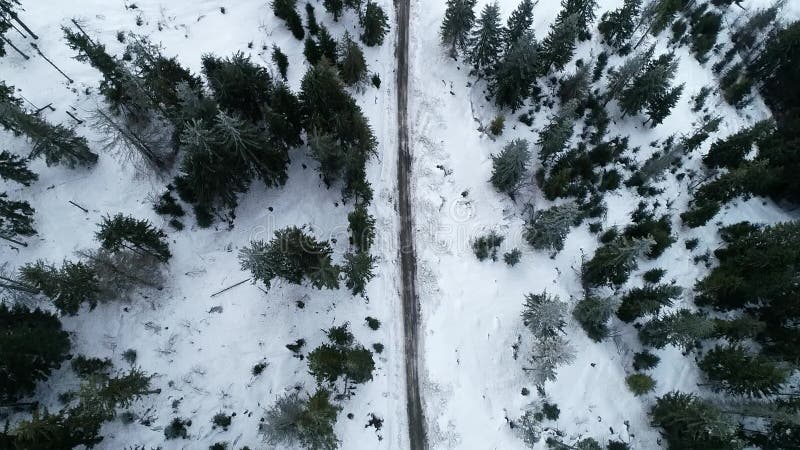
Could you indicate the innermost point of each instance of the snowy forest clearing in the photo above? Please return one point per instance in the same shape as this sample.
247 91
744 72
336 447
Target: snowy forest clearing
201 350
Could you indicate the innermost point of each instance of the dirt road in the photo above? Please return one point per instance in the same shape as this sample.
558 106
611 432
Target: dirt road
408 264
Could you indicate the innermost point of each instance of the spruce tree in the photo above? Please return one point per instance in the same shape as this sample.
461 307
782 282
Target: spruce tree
287 10
457 24
281 61
375 24
682 329
239 86
554 136
292 255
736 371
334 7
519 22
575 86
559 45
730 152
32 345
352 64
329 112
304 421
613 262
593 313
585 10
651 84
619 79
516 73
56 143
647 300
510 166
15 168
126 232
618 25
546 229
343 357
68 287
547 355
357 270
16 218
486 41
327 45
544 315
692 423
311 20
311 51
659 107
362 228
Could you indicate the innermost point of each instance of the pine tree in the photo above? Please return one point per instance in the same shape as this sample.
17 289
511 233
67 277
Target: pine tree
68 287
375 24
647 300
311 20
126 232
613 262
486 40
682 329
32 344
618 25
585 10
509 167
287 10
516 73
16 218
555 135
291 254
357 270
732 369
15 168
281 61
457 24
352 64
305 421
692 423
334 7
559 45
519 23
544 315
546 229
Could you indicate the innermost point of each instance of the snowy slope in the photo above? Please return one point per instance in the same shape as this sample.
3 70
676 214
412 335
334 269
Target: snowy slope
202 360
471 309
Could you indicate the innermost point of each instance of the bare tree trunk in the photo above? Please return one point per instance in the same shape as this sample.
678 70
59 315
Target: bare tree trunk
15 48
21 23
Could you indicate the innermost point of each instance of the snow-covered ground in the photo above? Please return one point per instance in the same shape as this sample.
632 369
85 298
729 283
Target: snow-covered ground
202 360
471 309
472 384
